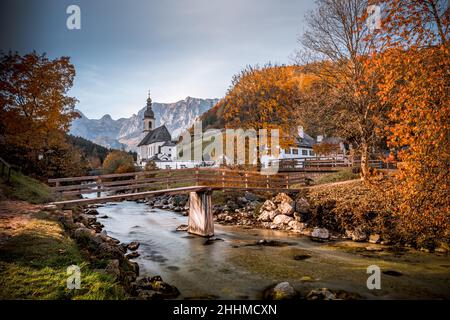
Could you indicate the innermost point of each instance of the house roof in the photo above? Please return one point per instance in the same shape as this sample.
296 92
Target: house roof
332 140
306 142
169 144
159 134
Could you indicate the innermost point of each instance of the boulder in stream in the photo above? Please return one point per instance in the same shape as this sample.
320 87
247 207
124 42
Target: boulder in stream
134 245
280 291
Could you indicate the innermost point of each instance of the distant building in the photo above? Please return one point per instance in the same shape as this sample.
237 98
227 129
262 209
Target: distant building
157 144
305 145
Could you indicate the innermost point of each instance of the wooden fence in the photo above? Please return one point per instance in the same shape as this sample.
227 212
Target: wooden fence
169 179
326 164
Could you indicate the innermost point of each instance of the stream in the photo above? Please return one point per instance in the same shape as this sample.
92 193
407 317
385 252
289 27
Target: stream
235 267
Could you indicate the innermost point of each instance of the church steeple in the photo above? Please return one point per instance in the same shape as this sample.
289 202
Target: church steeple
149 116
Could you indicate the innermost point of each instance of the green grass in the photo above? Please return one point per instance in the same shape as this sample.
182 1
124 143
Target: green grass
21 187
34 261
341 175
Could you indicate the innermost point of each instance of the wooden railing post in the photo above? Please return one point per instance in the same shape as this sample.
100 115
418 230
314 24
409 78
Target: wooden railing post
167 179
287 181
223 180
267 181
246 180
136 177
99 185
196 177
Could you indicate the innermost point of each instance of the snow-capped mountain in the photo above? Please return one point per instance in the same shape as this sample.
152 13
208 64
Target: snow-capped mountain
127 132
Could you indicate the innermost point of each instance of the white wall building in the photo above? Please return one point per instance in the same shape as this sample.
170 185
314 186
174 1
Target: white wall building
157 144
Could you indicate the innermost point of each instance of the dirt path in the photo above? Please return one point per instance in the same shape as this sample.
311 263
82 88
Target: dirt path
14 216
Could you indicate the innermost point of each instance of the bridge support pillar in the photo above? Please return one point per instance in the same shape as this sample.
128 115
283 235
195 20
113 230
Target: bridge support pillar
200 214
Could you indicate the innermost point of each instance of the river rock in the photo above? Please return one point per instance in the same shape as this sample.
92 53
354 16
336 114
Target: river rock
242 201
320 233
321 294
133 255
375 238
297 226
250 196
281 291
282 219
182 227
283 198
113 269
273 214
265 216
82 232
156 284
92 212
285 208
86 219
106 250
134 245
268 206
302 206
356 235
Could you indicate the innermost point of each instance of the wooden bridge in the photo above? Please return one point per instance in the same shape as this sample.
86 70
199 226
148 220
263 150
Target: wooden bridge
198 183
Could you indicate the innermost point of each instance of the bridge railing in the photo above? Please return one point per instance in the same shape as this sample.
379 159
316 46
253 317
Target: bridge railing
325 163
165 179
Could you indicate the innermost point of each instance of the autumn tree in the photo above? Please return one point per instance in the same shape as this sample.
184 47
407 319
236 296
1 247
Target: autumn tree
118 162
36 112
416 85
342 101
264 98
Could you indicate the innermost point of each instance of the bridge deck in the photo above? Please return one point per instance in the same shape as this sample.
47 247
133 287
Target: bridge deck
141 195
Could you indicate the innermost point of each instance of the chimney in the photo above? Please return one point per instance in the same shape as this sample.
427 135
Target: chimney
301 133
319 138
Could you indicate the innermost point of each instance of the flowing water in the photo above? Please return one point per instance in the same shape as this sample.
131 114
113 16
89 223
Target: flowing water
236 268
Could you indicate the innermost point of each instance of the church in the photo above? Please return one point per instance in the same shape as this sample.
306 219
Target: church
157 144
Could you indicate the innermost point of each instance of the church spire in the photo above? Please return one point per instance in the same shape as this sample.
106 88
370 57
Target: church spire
149 116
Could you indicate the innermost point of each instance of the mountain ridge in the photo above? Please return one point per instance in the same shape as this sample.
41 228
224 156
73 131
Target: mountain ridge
125 133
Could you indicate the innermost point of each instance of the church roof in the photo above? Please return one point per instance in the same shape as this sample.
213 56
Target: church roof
159 134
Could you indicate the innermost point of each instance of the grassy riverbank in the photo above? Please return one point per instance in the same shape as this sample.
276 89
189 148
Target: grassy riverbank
35 251
34 255
22 187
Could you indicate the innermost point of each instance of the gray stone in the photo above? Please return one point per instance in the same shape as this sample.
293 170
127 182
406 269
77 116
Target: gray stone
113 269
321 294
320 233
268 206
356 235
134 245
265 216
282 219
302 206
285 208
375 238
281 291
297 226
283 198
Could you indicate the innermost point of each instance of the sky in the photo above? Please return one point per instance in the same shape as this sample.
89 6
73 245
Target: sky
174 48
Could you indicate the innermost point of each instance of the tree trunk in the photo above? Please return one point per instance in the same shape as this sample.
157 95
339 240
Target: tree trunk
364 160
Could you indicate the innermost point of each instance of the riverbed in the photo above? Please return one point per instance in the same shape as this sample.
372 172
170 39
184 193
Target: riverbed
236 267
